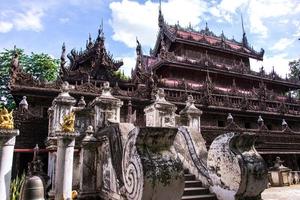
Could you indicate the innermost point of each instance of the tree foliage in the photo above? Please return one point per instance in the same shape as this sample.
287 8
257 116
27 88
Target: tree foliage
41 66
295 74
121 75
294 69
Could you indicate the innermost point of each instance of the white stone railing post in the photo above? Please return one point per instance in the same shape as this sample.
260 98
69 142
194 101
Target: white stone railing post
7 144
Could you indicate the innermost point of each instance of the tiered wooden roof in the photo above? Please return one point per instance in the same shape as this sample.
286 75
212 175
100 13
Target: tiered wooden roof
204 39
95 62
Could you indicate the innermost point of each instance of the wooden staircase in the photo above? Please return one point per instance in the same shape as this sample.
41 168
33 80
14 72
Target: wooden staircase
193 189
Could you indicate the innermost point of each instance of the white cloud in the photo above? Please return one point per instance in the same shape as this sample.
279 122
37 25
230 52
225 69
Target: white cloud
226 8
5 26
282 44
258 12
129 63
30 20
279 61
131 19
64 20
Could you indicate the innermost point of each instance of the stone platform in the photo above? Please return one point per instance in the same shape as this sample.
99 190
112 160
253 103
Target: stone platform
282 193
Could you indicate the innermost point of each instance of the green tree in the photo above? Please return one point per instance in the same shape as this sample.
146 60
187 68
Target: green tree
121 75
41 66
295 74
294 69
6 99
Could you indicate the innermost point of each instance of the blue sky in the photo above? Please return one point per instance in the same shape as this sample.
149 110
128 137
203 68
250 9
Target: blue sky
42 26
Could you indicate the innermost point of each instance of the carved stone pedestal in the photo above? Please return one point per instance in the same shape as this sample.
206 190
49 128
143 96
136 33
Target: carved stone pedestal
7 143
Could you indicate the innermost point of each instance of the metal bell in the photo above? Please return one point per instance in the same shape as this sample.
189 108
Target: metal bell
33 189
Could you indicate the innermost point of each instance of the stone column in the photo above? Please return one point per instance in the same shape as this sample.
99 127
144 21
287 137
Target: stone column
88 160
161 113
62 137
64 165
190 115
7 143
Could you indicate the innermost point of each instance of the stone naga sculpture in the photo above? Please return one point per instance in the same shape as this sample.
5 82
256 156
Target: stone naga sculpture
68 122
6 119
236 169
190 147
151 171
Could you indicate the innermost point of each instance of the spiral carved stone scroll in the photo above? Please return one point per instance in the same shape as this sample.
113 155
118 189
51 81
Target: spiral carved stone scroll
132 168
236 169
151 171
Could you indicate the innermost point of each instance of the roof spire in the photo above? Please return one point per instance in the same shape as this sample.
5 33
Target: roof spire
160 16
160 5
100 31
138 47
90 37
245 41
243 29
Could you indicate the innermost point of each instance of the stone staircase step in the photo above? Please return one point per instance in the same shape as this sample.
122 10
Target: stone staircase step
195 191
193 183
189 177
200 197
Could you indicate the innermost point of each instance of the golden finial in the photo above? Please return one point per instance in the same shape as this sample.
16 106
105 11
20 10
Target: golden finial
68 122
6 119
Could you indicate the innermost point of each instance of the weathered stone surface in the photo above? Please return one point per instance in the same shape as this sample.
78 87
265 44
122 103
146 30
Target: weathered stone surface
107 108
161 113
190 115
236 169
150 169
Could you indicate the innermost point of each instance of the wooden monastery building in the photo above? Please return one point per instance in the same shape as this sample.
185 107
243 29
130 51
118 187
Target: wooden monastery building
214 69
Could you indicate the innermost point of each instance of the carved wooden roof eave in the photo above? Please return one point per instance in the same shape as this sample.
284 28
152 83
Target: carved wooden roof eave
21 90
178 64
163 31
220 49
